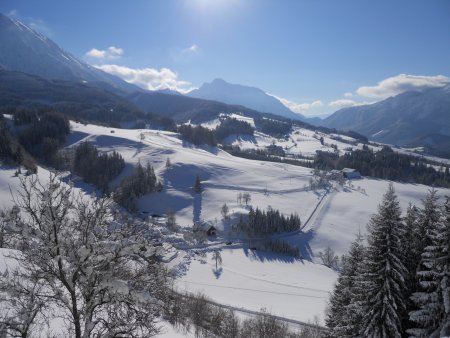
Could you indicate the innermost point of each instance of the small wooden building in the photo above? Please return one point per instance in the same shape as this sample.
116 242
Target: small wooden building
211 231
350 173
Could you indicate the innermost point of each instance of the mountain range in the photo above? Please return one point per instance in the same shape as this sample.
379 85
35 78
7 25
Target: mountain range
411 119
26 50
251 97
34 69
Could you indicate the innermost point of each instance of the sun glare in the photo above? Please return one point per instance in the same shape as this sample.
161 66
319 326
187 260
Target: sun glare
212 5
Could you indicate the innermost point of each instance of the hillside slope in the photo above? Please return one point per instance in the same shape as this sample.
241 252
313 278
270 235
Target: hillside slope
183 108
249 279
76 99
410 119
25 50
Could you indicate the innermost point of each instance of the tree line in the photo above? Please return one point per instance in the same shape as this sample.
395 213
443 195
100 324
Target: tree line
228 126
276 245
399 283
386 164
95 167
12 152
273 127
141 182
260 222
100 168
39 133
42 134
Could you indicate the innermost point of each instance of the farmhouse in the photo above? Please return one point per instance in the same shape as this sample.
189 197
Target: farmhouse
351 174
211 231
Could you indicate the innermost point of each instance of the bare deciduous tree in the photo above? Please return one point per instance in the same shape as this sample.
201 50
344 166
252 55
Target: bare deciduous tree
224 211
247 198
102 276
22 301
217 257
329 258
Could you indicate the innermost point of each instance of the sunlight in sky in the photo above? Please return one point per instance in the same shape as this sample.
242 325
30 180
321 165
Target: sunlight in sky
208 6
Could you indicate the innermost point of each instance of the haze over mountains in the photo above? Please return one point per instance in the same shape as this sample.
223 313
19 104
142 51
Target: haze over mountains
413 119
410 119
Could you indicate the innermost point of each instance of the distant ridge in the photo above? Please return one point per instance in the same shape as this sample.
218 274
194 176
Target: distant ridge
25 50
251 97
411 119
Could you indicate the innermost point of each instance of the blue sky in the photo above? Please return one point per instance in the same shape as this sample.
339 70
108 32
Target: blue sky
317 56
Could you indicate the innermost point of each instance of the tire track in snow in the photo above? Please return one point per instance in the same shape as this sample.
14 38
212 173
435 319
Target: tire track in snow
252 189
317 210
275 283
254 290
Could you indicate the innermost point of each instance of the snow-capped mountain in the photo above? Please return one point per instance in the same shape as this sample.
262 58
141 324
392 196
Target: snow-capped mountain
25 50
251 97
415 118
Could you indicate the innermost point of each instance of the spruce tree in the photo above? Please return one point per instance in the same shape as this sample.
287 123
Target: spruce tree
343 315
432 318
385 271
428 217
411 256
197 185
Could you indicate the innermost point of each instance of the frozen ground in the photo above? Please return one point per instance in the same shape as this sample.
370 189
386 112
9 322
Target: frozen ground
247 279
223 176
169 331
253 280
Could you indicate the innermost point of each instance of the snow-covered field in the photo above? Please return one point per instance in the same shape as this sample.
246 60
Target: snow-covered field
347 211
299 142
248 279
253 280
223 176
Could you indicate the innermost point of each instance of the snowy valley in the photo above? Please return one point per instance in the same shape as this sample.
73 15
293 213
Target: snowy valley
248 279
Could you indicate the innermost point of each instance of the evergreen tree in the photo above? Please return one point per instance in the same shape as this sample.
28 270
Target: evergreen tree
197 185
141 182
428 217
411 256
343 314
385 271
432 317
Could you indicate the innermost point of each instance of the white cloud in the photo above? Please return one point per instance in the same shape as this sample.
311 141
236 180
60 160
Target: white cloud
342 103
300 108
348 94
401 83
114 52
149 78
109 53
96 53
192 49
